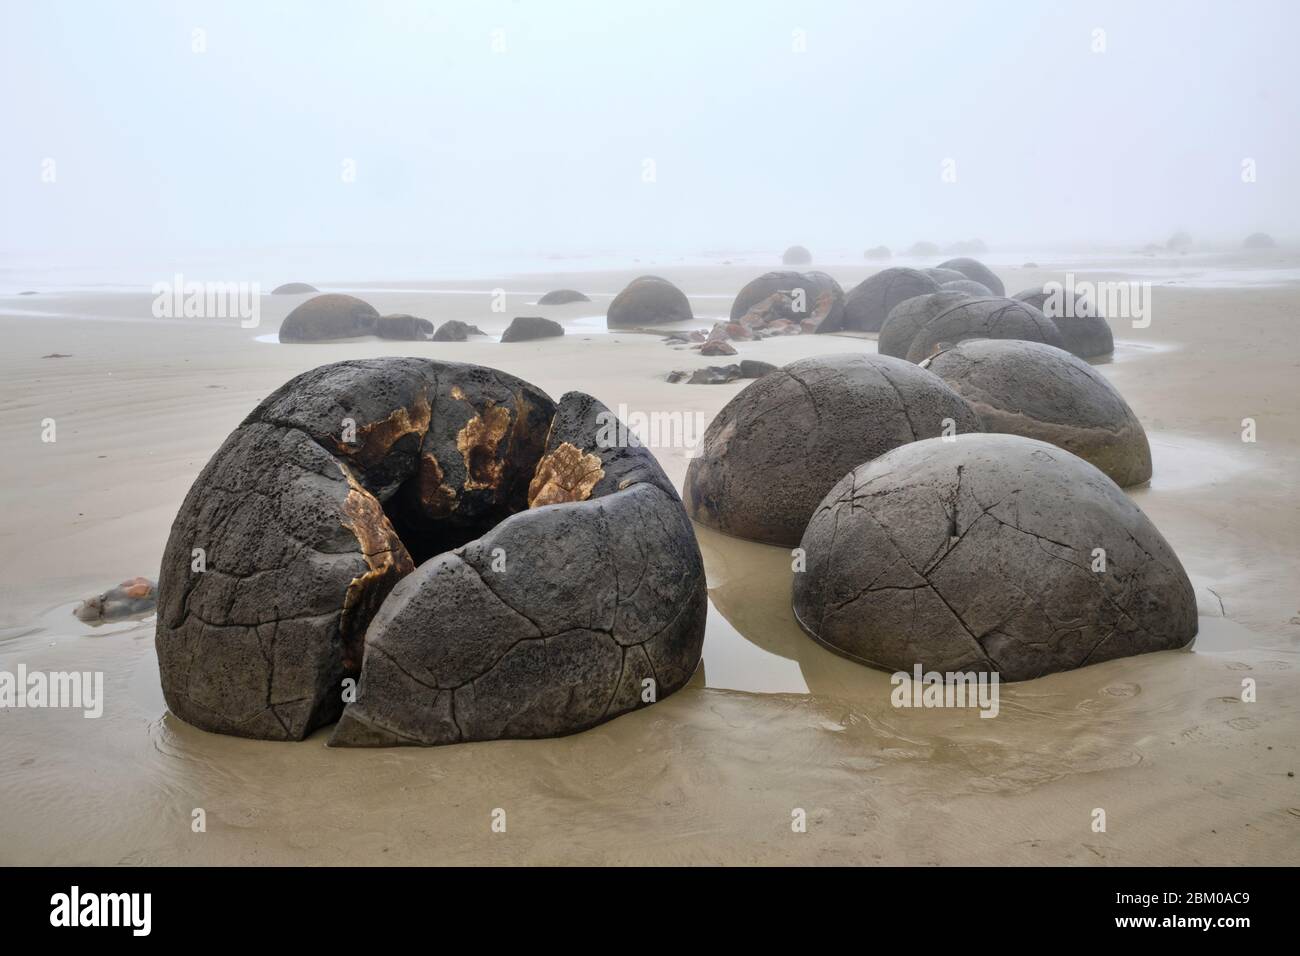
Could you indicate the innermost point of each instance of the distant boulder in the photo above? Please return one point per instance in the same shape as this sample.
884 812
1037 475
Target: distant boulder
877 252
327 317
562 297
1259 240
1181 241
868 303
974 269
968 247
796 256
453 330
403 328
294 288
648 300
923 249
524 328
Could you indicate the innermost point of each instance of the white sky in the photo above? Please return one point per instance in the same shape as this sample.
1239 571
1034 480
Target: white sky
541 147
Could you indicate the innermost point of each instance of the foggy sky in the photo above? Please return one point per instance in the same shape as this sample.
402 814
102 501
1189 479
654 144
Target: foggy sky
542 147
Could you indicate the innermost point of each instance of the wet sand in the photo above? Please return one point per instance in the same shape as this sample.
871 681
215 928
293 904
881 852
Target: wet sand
1186 772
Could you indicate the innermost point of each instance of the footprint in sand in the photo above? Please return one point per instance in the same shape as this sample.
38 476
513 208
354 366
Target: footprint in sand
1243 723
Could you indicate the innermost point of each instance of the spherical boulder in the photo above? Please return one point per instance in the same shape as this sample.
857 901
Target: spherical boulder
982 318
1038 391
779 445
562 297
293 288
923 249
559 618
525 328
906 318
878 252
1259 240
648 300
969 286
796 256
793 296
869 302
978 271
988 554
277 576
1083 329
330 316
403 328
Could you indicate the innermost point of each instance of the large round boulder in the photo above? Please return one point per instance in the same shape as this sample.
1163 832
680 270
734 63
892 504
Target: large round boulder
978 271
868 303
969 286
778 446
1083 329
793 296
1038 391
944 275
983 318
335 488
330 316
990 554
648 300
796 256
906 318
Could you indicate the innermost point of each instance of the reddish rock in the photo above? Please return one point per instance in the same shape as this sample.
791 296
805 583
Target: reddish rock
717 347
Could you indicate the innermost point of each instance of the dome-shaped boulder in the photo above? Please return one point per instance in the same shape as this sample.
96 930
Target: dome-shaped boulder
978 271
988 554
778 446
796 256
987 318
648 300
294 288
1083 329
562 297
330 316
1038 391
906 318
969 286
869 302
792 296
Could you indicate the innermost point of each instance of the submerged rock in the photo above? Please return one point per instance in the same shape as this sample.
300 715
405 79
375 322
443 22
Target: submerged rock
989 554
987 318
976 271
1084 331
870 301
330 316
524 328
648 300
562 297
779 445
1037 391
278 572
136 597
294 288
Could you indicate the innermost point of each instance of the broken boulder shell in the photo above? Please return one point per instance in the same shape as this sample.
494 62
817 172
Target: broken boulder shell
769 457
869 302
1038 391
133 598
793 296
988 554
328 494
978 271
585 606
648 300
1084 331
982 318
330 316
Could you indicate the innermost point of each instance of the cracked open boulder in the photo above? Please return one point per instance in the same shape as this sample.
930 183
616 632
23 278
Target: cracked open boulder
1038 391
992 553
769 457
443 531
793 296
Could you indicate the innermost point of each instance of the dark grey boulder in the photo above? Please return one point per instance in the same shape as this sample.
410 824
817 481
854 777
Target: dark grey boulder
648 300
562 297
944 275
793 296
868 303
403 328
979 555
524 328
1259 240
779 445
328 493
986 318
796 256
559 618
978 271
453 330
906 318
1084 329
1042 392
330 316
752 368
969 286
293 288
